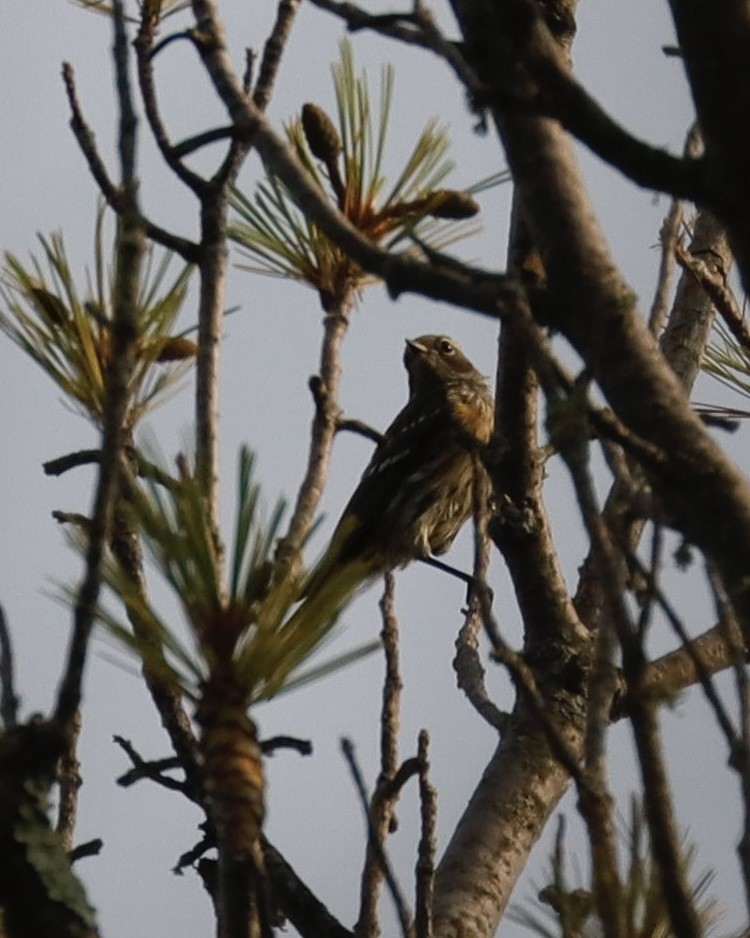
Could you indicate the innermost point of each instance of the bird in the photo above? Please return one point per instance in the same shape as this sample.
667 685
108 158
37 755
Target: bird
416 492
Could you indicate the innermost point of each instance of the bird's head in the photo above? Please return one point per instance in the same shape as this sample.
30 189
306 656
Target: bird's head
436 361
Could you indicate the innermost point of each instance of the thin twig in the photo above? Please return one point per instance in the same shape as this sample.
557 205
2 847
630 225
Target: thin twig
113 195
714 282
668 241
8 697
272 745
273 50
72 517
69 781
658 799
425 873
387 789
415 29
165 693
303 909
87 141
130 251
198 141
88 457
91 848
325 390
740 759
145 61
703 674
392 685
466 663
350 425
390 789
151 770
525 682
404 917
63 464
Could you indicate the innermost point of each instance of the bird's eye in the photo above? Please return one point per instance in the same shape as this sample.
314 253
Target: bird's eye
446 347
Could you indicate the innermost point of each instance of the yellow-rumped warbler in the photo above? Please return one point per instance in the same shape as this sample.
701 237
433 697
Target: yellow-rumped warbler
416 492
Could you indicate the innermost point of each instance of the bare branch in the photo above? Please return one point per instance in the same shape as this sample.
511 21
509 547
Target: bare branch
712 277
402 911
740 759
678 669
668 238
304 910
273 51
69 781
703 675
658 798
191 144
91 848
153 770
388 787
89 457
466 663
124 335
143 45
113 195
350 425
415 29
392 685
425 874
325 390
301 746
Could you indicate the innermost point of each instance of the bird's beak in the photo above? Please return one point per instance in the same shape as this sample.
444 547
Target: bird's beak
413 346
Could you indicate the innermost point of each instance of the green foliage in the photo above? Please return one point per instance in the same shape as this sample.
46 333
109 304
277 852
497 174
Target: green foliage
347 160
247 633
44 313
565 912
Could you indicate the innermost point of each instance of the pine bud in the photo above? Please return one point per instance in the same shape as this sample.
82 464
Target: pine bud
176 349
51 306
320 133
447 203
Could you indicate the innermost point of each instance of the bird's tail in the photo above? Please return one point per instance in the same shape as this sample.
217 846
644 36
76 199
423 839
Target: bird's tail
324 601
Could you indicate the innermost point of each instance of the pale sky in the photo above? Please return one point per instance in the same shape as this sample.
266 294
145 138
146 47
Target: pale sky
271 349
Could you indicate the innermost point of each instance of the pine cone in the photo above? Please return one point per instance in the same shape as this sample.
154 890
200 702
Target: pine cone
321 134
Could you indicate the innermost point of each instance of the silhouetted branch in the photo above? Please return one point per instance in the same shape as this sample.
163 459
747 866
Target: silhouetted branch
90 457
302 746
325 390
643 711
191 144
144 60
402 912
8 697
273 51
151 770
425 872
466 663
113 195
91 848
69 782
714 282
130 249
668 239
303 909
416 28
350 425
391 778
